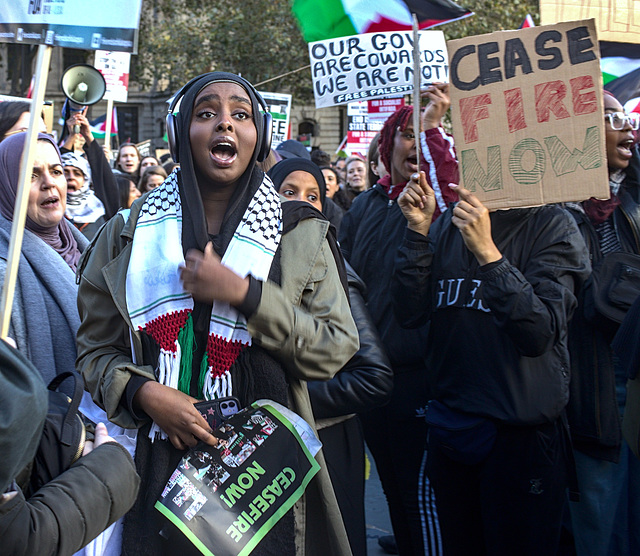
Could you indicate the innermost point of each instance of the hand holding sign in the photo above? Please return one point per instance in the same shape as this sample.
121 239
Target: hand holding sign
527 115
418 203
471 217
439 102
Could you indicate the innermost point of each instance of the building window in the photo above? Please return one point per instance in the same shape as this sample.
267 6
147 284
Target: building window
307 127
73 56
127 123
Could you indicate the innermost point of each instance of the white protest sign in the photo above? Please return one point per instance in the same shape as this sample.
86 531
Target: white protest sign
280 109
84 24
374 65
114 67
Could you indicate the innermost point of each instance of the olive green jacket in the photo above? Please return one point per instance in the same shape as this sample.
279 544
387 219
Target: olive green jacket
305 323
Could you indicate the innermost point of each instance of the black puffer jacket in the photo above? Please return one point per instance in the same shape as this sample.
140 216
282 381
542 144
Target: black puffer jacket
370 234
594 416
366 381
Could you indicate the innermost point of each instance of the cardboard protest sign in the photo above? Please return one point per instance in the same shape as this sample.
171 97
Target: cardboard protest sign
615 19
225 499
84 24
374 65
527 115
280 109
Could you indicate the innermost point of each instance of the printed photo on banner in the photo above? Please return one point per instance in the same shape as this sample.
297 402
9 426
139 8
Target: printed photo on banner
527 115
280 109
374 65
226 499
83 24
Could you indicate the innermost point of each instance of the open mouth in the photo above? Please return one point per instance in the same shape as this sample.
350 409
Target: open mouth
224 151
49 201
624 148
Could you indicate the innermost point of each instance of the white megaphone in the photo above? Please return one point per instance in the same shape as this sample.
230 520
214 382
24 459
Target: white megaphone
83 85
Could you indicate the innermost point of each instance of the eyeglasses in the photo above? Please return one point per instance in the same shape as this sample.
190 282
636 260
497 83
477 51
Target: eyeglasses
619 120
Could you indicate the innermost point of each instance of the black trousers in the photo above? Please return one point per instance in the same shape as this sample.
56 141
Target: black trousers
396 436
343 447
509 504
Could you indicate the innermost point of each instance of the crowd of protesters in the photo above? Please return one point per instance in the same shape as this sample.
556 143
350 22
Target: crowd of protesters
376 298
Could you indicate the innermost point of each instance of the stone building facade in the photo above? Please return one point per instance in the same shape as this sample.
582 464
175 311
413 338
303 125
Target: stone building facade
142 117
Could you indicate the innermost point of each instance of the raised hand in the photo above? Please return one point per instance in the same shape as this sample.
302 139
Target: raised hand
80 119
471 217
439 102
418 203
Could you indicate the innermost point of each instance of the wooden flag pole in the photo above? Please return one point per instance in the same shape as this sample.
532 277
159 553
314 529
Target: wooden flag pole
416 87
24 186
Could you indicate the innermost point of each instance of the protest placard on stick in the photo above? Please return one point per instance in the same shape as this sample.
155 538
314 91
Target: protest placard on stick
374 65
22 194
527 115
73 24
81 24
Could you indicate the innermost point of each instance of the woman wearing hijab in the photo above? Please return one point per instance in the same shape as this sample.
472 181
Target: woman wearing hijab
312 178
51 248
92 192
254 319
44 321
84 210
363 384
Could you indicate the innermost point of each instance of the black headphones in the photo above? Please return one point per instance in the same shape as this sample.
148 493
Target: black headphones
172 121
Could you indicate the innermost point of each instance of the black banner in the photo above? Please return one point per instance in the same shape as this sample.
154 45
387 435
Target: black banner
225 499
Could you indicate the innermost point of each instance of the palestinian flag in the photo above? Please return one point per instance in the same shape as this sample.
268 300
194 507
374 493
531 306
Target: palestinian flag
99 125
328 19
620 64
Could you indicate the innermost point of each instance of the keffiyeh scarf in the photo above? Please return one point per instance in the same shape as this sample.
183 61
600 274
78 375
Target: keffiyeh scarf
83 207
158 304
